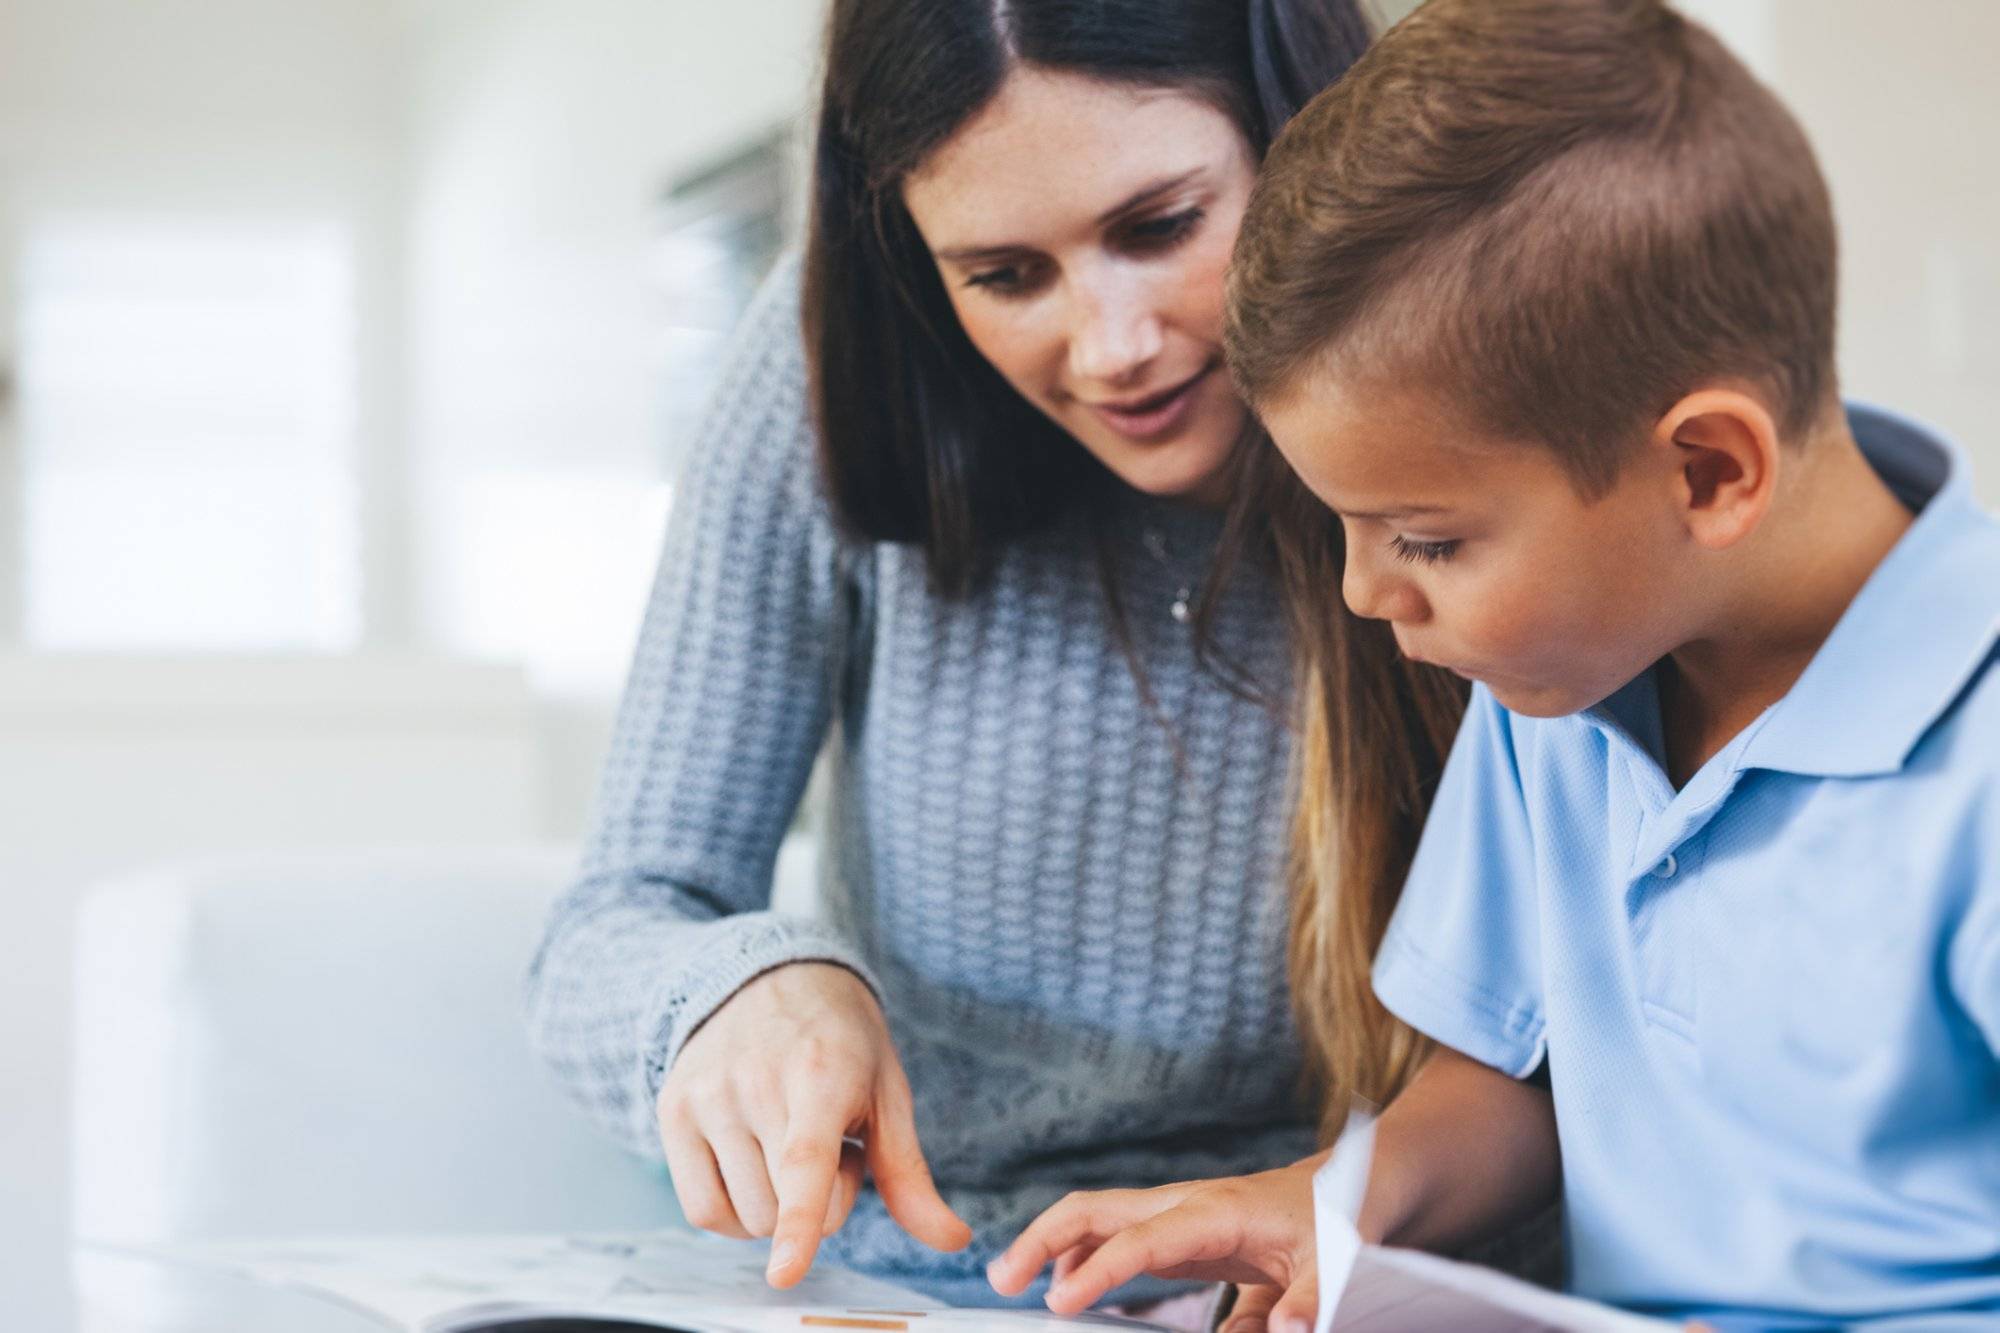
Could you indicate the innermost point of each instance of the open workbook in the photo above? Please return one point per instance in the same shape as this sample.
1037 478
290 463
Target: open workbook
675 1280
694 1283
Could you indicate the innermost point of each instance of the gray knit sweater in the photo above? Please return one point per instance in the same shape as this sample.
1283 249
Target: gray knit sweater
1070 910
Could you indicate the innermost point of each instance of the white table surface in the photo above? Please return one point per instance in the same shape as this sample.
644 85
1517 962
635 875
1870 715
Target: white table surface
123 1294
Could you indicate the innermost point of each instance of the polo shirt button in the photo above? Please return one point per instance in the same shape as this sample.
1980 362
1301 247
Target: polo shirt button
1666 868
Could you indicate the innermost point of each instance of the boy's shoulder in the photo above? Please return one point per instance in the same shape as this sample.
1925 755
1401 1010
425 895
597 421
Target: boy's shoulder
1955 639
1966 737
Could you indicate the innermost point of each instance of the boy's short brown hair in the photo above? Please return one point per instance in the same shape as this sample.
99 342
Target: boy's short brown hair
1563 214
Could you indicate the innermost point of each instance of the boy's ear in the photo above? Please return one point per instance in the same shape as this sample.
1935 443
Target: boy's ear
1724 448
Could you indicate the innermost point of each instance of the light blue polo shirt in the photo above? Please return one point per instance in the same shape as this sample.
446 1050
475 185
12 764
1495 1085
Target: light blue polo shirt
1770 1001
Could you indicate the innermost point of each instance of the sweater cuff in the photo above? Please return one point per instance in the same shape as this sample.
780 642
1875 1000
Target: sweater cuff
735 952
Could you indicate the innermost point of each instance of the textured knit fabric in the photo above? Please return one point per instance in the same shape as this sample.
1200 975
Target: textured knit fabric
1769 999
1070 908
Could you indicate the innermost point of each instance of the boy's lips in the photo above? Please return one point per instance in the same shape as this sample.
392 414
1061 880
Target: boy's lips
1464 673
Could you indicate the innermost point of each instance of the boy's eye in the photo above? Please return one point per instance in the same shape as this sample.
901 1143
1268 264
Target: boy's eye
1160 232
1422 553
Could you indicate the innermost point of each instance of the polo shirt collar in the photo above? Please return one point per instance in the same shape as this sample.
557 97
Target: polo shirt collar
1920 628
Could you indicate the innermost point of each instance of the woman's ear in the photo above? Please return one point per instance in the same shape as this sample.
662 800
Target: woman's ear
1723 446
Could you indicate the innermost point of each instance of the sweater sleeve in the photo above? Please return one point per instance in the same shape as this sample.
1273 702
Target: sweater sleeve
728 700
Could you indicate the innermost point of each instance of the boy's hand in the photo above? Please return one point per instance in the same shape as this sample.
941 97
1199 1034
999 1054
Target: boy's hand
1254 1308
1256 1230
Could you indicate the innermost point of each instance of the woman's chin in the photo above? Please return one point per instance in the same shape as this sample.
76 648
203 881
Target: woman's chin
1189 471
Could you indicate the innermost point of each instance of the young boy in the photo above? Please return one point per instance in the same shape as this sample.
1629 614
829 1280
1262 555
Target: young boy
1539 300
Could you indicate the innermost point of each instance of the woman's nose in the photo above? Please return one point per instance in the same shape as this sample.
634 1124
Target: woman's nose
1116 335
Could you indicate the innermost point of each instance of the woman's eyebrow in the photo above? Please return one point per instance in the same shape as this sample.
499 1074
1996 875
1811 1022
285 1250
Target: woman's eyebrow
1145 194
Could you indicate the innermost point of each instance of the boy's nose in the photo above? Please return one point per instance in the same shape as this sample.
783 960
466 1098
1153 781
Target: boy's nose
1377 594
1362 590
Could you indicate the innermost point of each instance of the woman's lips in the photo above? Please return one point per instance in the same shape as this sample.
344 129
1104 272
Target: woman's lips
1158 415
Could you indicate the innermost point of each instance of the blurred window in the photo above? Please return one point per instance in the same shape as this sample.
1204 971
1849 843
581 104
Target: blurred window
187 437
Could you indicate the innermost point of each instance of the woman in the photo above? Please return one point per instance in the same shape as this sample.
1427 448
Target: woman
967 528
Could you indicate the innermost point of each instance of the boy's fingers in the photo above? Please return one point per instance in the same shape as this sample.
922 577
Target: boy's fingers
1070 1259
1177 1236
1298 1309
806 1171
903 1178
1252 1311
1077 1220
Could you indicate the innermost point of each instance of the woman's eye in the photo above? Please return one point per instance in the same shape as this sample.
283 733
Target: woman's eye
997 279
1164 231
1422 553
1003 280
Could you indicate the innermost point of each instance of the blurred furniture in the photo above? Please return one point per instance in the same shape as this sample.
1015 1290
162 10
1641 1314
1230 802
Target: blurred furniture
333 1043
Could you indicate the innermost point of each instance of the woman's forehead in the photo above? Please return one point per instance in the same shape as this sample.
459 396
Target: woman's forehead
1053 149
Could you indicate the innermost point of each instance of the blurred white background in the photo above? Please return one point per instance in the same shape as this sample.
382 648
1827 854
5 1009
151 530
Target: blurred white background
346 345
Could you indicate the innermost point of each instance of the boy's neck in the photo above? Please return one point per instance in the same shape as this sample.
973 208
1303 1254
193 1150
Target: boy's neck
1835 527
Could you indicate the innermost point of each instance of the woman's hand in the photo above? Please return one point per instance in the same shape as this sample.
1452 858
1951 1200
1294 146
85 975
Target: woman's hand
1256 1230
761 1113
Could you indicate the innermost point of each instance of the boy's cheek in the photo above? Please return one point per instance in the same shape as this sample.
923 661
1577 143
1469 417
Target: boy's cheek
1502 625
1535 661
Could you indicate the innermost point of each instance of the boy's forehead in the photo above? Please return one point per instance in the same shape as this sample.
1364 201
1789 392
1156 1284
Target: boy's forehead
1384 449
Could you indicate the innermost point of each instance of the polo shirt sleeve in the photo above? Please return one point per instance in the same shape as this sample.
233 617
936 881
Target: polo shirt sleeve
1461 961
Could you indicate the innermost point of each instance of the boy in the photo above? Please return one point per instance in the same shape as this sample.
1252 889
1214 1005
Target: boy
1539 301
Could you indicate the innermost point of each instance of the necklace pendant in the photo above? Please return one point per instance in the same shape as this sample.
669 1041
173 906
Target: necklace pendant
1180 610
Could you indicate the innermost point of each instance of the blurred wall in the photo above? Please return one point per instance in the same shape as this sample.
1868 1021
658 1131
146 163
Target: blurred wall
493 167
281 109
1902 105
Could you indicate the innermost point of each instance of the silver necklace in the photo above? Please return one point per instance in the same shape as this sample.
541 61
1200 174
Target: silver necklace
1182 607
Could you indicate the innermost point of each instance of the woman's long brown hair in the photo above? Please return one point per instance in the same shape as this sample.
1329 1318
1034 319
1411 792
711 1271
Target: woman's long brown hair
1373 732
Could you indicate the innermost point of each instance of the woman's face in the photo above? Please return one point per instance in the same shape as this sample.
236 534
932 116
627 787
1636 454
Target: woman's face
1082 229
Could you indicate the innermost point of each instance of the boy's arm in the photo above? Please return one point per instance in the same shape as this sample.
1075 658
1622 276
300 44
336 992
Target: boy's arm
1465 1152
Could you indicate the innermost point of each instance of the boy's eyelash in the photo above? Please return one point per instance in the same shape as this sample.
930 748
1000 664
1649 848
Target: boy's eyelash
1422 553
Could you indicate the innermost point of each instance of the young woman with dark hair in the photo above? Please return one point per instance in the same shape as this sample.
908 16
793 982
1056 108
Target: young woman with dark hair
956 514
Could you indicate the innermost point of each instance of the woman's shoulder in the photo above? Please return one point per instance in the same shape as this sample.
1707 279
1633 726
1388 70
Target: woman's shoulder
770 323
756 434
764 366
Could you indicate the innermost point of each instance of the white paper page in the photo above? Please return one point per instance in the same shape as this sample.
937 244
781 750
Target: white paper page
1402 1291
1338 1188
1371 1289
411 1281
871 1319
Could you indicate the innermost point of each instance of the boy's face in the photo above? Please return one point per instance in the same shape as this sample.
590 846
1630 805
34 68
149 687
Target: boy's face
1481 554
